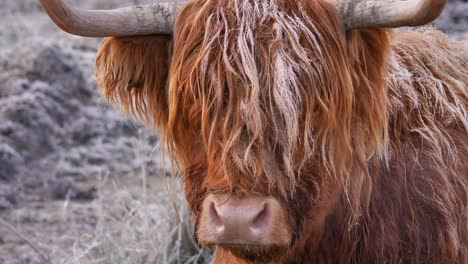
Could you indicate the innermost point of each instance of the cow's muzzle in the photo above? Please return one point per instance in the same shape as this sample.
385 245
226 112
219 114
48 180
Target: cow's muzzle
250 222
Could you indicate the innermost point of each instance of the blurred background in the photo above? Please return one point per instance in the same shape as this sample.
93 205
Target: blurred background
80 183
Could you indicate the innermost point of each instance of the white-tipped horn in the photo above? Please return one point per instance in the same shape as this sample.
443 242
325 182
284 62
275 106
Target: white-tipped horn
389 13
149 19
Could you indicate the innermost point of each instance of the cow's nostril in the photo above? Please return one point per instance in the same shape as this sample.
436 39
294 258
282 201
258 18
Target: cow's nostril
261 220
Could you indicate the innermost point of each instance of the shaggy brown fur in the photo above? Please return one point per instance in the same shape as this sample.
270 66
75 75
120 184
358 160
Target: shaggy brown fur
362 135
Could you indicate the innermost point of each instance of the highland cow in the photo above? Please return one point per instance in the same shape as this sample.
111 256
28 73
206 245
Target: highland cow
306 131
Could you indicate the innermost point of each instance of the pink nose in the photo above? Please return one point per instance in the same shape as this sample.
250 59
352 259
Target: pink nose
247 221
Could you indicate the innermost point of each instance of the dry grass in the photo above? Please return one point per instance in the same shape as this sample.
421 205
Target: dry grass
133 220
136 228
136 222
124 225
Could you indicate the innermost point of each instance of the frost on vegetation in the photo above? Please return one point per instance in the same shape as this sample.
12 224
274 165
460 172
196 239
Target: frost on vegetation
131 225
136 228
55 125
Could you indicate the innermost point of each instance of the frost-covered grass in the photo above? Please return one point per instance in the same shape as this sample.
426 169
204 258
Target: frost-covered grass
136 224
137 218
131 221
134 228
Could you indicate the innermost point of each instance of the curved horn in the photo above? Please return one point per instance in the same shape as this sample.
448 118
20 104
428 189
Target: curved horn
130 21
389 13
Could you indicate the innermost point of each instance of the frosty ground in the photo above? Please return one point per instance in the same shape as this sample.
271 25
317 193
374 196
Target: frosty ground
80 183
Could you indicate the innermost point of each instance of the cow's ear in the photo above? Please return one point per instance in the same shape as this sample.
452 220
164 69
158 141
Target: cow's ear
132 72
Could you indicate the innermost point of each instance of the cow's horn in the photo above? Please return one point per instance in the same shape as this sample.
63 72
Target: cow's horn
389 13
149 19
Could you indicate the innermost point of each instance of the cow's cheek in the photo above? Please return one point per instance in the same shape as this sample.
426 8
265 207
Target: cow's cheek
194 193
312 223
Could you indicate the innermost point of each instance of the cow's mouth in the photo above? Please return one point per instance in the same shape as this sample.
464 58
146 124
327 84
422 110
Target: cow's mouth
255 253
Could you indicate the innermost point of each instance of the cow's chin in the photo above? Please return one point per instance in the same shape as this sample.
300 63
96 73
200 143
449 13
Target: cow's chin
261 254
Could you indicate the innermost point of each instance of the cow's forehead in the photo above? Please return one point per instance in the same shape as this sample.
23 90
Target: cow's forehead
251 73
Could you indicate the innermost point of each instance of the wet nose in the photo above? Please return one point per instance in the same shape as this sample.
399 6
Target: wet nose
246 221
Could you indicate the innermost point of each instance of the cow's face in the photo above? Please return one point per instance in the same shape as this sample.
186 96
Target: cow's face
250 107
255 101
